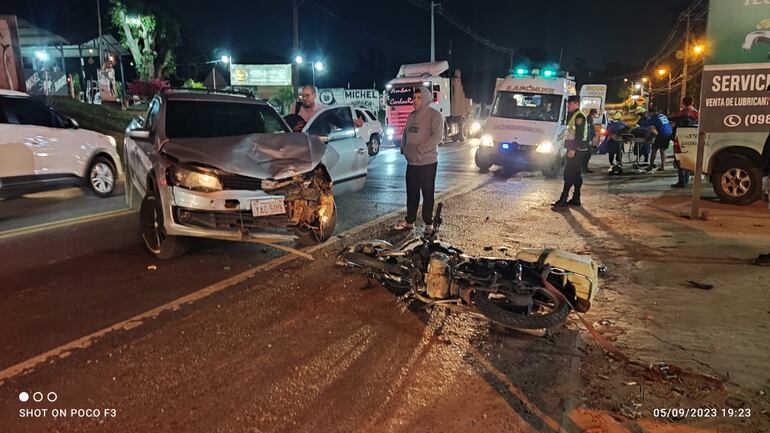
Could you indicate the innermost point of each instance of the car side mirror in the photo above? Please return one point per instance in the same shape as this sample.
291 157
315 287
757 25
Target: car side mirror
71 123
139 133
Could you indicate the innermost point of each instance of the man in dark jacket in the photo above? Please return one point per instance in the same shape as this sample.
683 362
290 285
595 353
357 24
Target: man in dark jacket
422 134
576 144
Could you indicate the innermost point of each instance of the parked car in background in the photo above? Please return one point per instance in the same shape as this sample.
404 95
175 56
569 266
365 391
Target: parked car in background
41 150
371 131
226 166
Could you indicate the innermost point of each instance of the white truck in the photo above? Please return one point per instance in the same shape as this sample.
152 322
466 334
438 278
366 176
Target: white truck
448 98
527 124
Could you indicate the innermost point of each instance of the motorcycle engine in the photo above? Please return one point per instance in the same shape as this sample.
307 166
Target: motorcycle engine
438 279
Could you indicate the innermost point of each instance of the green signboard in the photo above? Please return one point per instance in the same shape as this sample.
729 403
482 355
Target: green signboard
738 31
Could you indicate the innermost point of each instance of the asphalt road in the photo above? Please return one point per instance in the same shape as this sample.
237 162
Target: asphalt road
59 284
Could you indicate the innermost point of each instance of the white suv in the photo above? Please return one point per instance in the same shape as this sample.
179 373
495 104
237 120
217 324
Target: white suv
371 130
41 150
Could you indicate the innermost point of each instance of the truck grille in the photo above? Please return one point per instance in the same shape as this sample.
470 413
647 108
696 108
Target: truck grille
234 181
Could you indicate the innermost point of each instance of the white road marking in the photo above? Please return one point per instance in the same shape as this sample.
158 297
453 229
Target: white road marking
81 343
63 223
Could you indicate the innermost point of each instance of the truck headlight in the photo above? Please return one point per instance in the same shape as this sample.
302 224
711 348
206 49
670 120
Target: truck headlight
544 147
195 180
487 140
390 132
475 127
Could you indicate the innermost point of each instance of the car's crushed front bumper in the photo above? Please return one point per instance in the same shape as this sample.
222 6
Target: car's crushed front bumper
225 215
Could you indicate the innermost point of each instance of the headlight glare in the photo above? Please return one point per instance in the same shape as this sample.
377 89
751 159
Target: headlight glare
475 127
544 147
195 180
487 140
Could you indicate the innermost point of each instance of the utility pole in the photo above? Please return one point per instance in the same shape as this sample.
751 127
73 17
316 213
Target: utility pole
432 33
294 65
686 55
99 20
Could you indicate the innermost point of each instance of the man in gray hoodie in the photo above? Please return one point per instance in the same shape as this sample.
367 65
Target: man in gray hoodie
422 134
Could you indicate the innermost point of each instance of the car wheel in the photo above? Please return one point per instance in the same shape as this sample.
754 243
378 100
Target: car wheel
101 177
482 163
737 180
556 167
327 216
464 132
154 236
374 145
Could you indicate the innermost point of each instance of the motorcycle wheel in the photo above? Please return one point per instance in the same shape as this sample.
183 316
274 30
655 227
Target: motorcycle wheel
498 310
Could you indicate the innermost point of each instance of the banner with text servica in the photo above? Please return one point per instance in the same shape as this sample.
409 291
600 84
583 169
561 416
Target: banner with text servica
736 77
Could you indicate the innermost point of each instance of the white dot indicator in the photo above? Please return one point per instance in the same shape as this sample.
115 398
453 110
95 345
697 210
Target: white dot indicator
23 397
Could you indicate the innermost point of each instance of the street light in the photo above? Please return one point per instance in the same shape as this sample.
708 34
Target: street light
662 73
298 60
638 86
42 56
225 59
698 49
318 66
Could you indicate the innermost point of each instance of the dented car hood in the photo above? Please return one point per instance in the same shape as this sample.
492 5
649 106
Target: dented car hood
263 156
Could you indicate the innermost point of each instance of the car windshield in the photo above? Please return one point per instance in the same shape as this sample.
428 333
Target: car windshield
204 119
527 106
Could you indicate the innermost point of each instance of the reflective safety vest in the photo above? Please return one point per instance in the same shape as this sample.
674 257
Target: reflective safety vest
572 130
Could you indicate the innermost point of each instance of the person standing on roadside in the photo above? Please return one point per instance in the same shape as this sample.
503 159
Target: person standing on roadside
764 259
660 128
687 116
308 107
422 134
576 143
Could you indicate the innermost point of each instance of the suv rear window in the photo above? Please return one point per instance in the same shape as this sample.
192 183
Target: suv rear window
204 119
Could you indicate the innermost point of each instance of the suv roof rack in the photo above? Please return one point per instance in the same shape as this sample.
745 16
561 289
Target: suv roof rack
240 92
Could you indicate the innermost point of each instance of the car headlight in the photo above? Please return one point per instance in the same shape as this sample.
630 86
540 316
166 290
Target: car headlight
475 127
487 140
390 131
544 147
195 180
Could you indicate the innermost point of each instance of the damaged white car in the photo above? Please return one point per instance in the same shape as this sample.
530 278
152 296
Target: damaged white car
227 167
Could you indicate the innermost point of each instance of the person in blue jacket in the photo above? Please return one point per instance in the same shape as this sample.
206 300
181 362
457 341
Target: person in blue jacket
661 129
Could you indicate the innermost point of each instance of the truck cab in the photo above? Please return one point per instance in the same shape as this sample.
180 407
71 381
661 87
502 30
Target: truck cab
526 126
448 99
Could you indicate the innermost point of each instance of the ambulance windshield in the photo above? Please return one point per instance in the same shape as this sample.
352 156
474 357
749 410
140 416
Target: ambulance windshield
527 106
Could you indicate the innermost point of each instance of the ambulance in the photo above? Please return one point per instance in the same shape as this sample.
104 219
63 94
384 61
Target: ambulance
527 124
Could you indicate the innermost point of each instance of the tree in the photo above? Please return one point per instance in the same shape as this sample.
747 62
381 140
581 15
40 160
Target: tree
150 34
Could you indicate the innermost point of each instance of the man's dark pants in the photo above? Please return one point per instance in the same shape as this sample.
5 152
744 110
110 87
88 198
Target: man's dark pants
420 178
573 174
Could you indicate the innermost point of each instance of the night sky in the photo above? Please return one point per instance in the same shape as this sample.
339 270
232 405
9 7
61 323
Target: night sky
367 41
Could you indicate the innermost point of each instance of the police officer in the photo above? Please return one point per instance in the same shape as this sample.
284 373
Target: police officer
576 143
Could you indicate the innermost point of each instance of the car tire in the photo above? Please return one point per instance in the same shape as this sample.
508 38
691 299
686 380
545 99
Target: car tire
464 132
153 234
737 180
101 177
556 168
307 236
482 163
374 144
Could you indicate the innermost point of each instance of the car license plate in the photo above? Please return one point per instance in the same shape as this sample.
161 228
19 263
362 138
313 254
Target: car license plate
268 206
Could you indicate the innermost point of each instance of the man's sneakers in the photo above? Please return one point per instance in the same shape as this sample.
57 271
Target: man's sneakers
403 225
574 201
564 203
678 185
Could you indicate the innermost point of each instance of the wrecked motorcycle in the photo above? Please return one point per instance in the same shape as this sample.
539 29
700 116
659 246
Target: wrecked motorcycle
534 290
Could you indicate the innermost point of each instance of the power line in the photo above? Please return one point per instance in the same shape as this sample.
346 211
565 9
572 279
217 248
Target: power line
357 28
464 28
